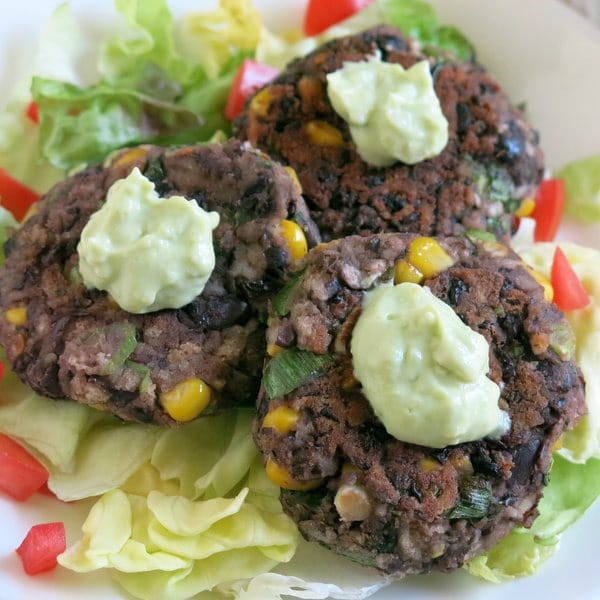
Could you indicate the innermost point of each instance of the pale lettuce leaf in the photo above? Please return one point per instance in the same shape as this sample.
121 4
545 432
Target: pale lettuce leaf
169 545
572 490
583 442
210 38
7 222
582 183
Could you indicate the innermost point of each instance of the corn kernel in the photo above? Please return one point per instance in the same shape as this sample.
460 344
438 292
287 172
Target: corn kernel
495 249
187 399
273 349
260 104
34 209
293 35
404 272
427 465
348 467
283 419
129 156
323 134
526 208
112 302
18 345
16 315
558 444
350 382
425 254
295 238
462 463
543 281
294 176
279 476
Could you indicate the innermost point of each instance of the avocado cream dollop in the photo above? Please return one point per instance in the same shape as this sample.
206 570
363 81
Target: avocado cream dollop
423 370
147 252
394 113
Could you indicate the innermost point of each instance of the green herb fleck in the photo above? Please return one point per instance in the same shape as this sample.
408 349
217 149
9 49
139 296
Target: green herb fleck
142 371
562 341
475 499
280 300
292 368
480 235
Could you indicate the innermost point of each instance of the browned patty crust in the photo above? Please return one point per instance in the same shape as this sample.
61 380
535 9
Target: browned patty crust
77 343
492 159
427 508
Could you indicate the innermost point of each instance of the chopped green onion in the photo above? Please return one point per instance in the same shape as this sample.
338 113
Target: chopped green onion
142 371
480 235
126 334
562 341
292 368
280 300
475 499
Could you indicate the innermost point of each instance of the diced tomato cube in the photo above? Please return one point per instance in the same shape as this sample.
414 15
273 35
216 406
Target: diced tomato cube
41 547
46 491
15 196
32 112
250 77
548 211
569 293
322 14
21 474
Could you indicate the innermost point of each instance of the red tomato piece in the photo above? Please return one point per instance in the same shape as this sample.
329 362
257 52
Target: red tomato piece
321 14
548 211
41 546
569 293
21 474
33 112
46 491
1 370
15 196
250 77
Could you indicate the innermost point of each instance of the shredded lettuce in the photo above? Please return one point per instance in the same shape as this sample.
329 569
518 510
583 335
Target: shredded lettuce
582 182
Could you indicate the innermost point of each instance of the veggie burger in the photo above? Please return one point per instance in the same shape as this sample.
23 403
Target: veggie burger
411 374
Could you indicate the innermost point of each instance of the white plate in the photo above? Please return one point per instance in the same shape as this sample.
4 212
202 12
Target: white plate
544 54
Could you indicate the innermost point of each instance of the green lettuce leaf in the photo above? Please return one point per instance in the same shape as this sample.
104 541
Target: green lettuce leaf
58 55
84 125
571 491
149 91
148 40
415 18
582 182
7 221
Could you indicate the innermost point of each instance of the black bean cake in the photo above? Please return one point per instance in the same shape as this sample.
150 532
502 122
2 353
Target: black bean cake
66 341
490 163
399 507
